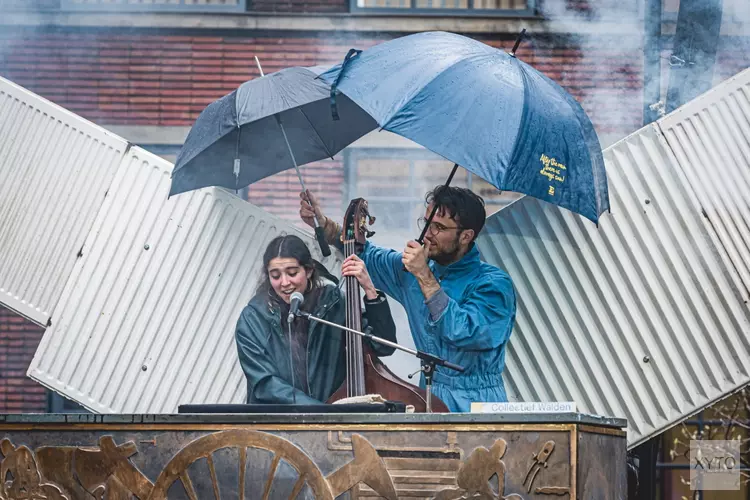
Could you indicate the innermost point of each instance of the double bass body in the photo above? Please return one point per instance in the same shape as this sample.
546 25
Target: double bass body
379 379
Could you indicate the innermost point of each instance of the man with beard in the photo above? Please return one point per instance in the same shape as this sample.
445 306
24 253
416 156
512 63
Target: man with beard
459 308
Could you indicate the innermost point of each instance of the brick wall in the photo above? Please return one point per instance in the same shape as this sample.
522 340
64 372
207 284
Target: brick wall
167 80
279 194
19 339
147 79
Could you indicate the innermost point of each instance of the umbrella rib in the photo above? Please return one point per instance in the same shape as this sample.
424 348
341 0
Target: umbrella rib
594 168
330 155
524 115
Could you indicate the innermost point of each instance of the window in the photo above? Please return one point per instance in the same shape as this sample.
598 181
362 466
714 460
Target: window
60 404
395 181
447 7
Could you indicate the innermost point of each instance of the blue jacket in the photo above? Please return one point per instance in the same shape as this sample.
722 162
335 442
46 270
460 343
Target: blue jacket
477 312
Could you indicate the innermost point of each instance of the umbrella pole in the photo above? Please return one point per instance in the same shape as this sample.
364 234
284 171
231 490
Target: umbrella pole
434 207
319 232
518 42
237 163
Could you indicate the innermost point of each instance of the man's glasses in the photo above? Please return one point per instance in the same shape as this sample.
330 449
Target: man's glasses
435 227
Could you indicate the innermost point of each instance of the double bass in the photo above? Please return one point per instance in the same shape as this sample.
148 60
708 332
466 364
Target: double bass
365 373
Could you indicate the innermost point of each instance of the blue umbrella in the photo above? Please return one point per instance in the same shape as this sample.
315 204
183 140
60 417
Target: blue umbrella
269 124
483 109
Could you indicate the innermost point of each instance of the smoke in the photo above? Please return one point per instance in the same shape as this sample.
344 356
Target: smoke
734 49
601 45
19 21
596 54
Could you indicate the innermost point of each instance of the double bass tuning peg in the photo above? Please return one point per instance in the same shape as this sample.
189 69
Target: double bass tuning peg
370 234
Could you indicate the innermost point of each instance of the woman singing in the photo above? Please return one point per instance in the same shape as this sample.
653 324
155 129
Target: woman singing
316 365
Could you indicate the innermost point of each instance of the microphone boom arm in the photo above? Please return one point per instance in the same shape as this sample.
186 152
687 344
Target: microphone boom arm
426 357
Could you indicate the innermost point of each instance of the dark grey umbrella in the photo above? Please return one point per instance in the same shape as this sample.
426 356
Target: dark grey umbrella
270 124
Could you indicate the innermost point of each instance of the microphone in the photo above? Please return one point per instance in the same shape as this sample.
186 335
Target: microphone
296 300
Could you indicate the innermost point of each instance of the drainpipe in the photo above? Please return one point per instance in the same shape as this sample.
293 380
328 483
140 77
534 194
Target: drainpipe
694 53
652 61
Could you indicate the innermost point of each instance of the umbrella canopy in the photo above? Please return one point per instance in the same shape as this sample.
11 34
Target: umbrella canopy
270 124
482 109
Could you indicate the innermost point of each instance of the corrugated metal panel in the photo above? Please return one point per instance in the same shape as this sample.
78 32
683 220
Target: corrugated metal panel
55 169
147 320
711 140
642 317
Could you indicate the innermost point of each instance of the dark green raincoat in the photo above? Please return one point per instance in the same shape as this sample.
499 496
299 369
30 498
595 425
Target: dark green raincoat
263 347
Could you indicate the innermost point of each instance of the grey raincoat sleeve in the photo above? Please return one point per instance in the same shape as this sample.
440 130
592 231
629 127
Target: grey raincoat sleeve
265 382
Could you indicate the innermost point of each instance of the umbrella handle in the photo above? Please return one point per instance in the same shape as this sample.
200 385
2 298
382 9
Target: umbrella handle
320 235
427 223
334 108
434 207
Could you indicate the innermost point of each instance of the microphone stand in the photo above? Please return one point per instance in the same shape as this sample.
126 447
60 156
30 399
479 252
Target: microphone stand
429 361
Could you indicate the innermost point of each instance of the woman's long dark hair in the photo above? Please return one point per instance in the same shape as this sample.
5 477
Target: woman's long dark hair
288 247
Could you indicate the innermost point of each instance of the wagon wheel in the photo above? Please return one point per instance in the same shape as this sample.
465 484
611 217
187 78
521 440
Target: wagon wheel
204 447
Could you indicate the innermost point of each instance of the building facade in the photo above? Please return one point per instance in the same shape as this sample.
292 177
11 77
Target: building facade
146 69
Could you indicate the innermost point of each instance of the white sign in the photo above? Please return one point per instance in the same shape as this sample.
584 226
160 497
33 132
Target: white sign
714 464
525 407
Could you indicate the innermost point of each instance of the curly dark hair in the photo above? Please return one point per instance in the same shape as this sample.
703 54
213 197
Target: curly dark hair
460 204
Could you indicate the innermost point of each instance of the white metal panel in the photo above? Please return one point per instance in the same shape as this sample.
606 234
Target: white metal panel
55 169
147 320
711 139
638 318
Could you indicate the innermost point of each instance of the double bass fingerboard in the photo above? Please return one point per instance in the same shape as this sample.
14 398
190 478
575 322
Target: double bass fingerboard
355 369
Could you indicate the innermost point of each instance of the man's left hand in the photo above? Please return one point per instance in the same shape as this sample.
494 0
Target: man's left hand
354 266
415 258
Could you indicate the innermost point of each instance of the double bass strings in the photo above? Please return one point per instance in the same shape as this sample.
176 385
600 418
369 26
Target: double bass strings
355 353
